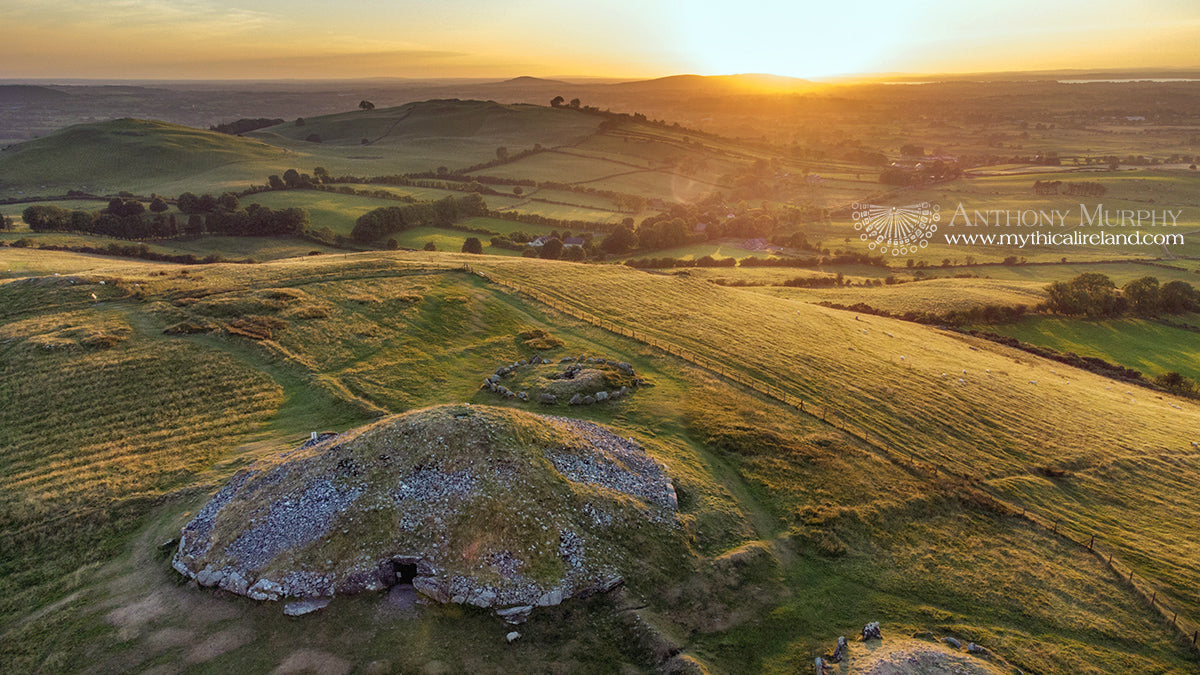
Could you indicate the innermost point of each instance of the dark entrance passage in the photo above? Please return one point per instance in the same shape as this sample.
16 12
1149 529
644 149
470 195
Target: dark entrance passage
405 573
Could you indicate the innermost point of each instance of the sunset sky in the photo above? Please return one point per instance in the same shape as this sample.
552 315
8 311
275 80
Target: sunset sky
203 39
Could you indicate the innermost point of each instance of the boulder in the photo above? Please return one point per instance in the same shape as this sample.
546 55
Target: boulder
952 642
588 400
512 636
550 598
385 572
871 631
624 390
302 607
234 583
515 615
565 359
432 587
265 589
523 396
840 653
975 649
535 359
548 399
601 396
575 400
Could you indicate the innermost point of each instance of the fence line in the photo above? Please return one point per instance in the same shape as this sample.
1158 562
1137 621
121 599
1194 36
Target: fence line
1145 588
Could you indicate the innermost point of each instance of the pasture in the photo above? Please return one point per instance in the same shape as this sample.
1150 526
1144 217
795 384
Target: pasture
777 571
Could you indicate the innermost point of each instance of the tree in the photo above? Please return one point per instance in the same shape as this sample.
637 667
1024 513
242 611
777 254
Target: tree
1142 295
518 191
472 245
366 105
502 153
430 246
6 223
313 138
157 205
291 178
1091 294
392 244
622 240
321 174
557 102
188 203
1177 297
299 121
228 201
552 249
575 103
275 182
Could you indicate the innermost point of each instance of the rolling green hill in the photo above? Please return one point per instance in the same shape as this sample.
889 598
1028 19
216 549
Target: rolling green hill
425 122
129 154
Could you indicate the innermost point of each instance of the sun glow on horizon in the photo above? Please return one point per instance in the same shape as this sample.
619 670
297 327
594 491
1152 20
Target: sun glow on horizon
213 39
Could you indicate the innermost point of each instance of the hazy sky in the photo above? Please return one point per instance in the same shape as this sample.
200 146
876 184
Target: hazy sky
620 38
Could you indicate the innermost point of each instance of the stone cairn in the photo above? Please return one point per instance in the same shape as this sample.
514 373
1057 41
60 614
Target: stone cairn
495 381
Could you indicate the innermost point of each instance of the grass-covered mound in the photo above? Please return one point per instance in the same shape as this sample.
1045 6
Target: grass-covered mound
472 504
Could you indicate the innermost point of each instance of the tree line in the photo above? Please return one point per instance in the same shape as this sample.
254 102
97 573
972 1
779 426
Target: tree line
128 219
1094 295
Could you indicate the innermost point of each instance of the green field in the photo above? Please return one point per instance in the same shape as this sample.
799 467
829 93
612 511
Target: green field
782 560
936 296
1141 344
444 240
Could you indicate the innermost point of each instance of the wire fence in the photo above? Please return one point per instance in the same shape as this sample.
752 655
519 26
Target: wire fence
924 461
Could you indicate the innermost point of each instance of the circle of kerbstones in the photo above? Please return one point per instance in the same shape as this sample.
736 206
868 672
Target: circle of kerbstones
573 364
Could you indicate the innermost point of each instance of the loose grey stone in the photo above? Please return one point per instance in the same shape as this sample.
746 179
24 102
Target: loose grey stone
512 636
952 642
601 396
302 607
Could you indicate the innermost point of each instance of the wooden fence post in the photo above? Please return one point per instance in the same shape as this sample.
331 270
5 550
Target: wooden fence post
1091 541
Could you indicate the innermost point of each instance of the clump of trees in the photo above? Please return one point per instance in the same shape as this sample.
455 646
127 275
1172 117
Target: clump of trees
379 223
1094 295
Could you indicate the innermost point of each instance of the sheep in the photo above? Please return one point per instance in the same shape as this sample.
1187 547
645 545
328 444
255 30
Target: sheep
961 381
1033 382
